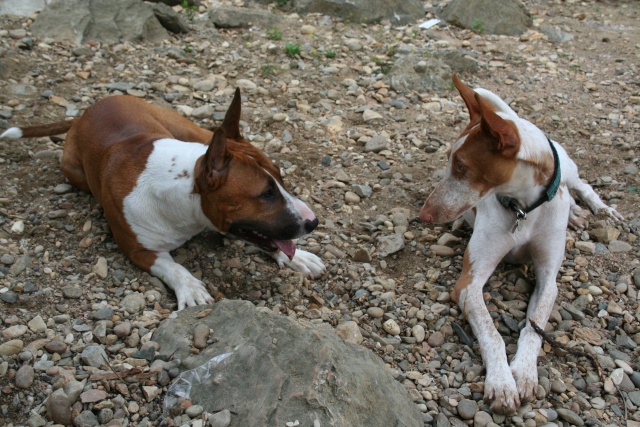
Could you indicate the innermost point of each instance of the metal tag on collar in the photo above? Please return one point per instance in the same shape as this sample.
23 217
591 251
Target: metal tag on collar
520 216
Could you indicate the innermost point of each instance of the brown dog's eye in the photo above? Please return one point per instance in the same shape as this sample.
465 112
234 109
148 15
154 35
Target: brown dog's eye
269 194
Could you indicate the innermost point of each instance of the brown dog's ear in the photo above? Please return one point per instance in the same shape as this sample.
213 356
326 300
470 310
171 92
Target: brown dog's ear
231 122
505 131
468 95
216 156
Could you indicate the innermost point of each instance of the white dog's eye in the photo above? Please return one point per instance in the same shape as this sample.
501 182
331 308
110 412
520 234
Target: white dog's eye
458 166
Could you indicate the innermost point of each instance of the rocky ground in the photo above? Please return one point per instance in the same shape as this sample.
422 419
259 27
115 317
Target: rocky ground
364 157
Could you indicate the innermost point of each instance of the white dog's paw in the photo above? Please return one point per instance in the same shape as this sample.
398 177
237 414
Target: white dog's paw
192 292
310 265
577 217
501 392
526 375
617 216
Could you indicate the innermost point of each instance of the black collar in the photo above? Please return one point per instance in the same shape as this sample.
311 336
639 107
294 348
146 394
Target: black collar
521 213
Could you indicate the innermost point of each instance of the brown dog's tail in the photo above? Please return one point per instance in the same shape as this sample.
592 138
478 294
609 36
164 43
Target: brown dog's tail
37 131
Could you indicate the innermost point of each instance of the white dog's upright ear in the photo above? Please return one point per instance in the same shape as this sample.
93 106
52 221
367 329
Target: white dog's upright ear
468 95
504 131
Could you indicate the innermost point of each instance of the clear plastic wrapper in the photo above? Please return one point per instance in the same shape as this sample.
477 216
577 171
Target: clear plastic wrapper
181 386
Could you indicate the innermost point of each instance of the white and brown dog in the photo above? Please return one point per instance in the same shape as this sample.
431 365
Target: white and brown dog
512 184
161 180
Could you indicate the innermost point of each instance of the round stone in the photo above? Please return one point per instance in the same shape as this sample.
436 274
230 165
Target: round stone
467 409
375 312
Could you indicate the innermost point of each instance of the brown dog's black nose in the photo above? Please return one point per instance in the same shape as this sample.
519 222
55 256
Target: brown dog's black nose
309 226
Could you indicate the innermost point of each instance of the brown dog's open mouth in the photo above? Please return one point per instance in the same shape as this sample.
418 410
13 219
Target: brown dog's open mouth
266 243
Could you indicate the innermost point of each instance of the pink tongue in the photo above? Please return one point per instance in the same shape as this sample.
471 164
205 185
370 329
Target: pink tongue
286 246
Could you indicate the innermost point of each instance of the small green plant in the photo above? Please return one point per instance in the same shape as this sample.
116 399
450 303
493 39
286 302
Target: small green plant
282 3
268 70
190 11
477 26
274 34
330 54
292 49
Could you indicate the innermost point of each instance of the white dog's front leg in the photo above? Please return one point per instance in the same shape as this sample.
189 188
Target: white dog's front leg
189 290
499 386
310 265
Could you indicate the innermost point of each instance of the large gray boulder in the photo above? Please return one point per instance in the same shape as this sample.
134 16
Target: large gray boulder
509 17
399 12
419 73
21 7
223 16
107 21
281 370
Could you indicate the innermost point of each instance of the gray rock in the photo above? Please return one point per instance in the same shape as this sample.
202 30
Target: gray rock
36 420
399 12
121 86
58 408
634 396
635 378
459 60
403 76
170 19
570 416
133 302
22 90
376 144
95 20
509 17
221 419
388 245
86 419
72 292
194 411
200 335
72 390
21 8
467 409
619 246
555 35
94 355
62 188
236 17
362 190
636 277
25 376
282 370
21 264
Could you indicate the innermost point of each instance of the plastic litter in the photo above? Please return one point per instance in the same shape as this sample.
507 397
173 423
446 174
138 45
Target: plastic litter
430 23
181 386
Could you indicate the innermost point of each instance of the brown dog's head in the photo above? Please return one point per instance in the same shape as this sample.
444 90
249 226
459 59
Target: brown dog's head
242 191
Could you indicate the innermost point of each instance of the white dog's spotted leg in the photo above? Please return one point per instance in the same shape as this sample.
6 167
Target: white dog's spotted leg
499 386
189 290
482 255
310 265
547 260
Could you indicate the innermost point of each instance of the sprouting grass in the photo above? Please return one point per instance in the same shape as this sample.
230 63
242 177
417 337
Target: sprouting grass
274 34
477 26
292 49
190 11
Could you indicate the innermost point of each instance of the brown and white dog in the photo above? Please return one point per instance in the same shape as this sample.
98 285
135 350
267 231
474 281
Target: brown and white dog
512 184
161 180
